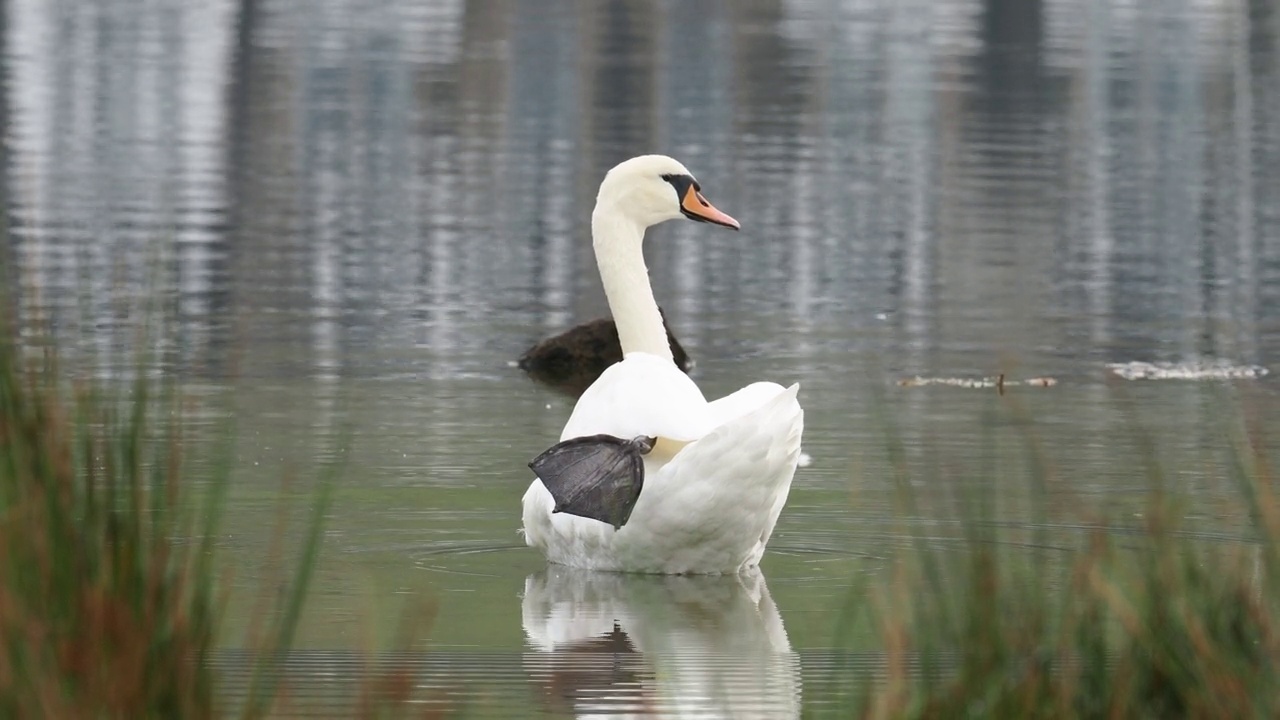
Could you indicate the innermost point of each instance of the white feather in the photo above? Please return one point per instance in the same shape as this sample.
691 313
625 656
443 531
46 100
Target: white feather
719 476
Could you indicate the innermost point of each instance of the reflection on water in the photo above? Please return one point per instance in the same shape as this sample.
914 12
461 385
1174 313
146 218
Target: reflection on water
356 214
1077 179
608 643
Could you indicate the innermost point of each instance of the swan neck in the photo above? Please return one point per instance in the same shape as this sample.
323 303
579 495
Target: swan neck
620 257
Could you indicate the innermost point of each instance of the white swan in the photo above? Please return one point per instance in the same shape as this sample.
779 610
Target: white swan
719 473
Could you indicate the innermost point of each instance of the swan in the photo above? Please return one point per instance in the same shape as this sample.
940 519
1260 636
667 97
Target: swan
571 361
648 476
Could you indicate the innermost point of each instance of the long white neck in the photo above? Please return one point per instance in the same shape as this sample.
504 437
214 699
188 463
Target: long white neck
617 241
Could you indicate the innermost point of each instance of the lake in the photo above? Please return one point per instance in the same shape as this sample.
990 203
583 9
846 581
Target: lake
356 214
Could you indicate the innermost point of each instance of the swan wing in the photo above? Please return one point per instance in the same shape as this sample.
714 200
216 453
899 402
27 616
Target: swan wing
642 395
713 507
739 403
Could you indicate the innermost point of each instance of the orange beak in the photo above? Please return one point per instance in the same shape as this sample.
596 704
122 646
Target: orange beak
696 207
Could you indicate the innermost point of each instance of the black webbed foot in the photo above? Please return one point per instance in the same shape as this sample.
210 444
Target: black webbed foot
597 477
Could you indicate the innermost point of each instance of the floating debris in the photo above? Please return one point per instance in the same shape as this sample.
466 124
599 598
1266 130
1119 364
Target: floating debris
999 382
1195 370
805 459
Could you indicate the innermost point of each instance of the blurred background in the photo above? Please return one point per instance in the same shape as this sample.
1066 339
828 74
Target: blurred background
356 213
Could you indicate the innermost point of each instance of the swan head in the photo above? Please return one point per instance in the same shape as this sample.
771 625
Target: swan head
655 188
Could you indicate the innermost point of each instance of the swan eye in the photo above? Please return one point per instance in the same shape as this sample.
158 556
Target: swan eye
693 205
681 183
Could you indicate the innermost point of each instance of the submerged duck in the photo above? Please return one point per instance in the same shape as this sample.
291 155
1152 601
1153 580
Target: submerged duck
571 361
648 476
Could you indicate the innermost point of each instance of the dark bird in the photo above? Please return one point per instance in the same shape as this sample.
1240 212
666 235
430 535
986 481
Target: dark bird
571 361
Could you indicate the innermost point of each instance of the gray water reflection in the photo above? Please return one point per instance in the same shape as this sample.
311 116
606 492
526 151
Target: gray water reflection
611 644
360 212
1069 178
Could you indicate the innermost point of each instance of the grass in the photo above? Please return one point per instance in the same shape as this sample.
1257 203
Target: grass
109 600
107 605
110 587
1134 622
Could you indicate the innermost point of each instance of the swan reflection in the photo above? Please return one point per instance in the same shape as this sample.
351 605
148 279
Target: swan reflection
655 645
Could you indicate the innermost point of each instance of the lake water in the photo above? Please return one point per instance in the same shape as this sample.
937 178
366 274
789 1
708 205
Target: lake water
358 212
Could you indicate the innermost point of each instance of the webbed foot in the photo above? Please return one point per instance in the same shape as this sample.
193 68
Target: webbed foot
597 477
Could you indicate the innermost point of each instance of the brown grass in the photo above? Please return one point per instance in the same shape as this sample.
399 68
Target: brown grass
1151 622
105 603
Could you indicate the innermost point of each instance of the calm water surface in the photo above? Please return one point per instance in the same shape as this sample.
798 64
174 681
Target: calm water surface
357 213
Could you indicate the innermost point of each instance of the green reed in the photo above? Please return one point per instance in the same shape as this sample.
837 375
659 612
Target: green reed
1129 622
109 582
